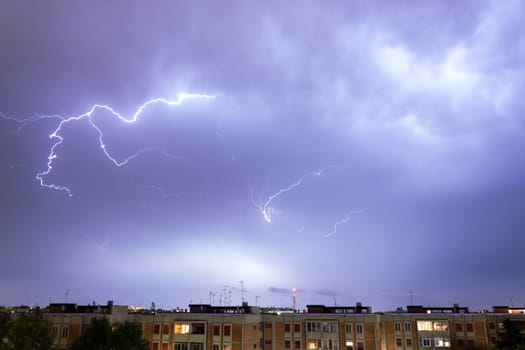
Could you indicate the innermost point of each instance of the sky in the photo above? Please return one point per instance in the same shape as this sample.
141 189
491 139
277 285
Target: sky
359 151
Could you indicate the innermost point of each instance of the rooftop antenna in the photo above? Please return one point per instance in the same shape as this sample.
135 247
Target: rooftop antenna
335 300
294 298
242 290
411 297
67 295
257 299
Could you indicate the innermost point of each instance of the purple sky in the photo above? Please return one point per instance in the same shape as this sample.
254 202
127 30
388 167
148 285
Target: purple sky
393 129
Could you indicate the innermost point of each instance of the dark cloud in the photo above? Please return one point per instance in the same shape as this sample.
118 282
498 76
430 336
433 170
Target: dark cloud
414 115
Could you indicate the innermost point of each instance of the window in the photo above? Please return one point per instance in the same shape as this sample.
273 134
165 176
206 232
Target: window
267 325
360 345
155 346
254 346
216 347
409 343
459 327
399 342
359 328
461 343
491 325
196 346
180 346
54 332
65 332
297 345
197 328
397 326
287 327
156 329
164 346
310 327
165 329
181 328
349 345
425 342
297 327
441 326
288 344
348 328
227 330
408 326
216 330
227 347
312 344
424 325
441 342
471 342
470 327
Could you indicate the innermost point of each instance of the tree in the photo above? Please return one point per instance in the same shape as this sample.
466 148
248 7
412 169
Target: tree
26 332
511 337
99 335
128 336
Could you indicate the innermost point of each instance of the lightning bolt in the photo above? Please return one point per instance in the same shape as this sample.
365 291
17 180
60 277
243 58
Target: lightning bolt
265 207
56 134
343 221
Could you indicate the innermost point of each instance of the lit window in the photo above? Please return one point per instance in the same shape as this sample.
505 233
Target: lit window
424 326
181 328
441 326
441 342
227 347
359 328
312 344
349 345
397 326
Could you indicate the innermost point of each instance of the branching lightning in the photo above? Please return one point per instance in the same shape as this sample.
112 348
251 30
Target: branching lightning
265 207
343 221
56 134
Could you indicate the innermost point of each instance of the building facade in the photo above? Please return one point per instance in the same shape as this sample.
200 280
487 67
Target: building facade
319 327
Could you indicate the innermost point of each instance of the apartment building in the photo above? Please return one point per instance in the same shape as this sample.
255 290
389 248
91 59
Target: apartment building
319 327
